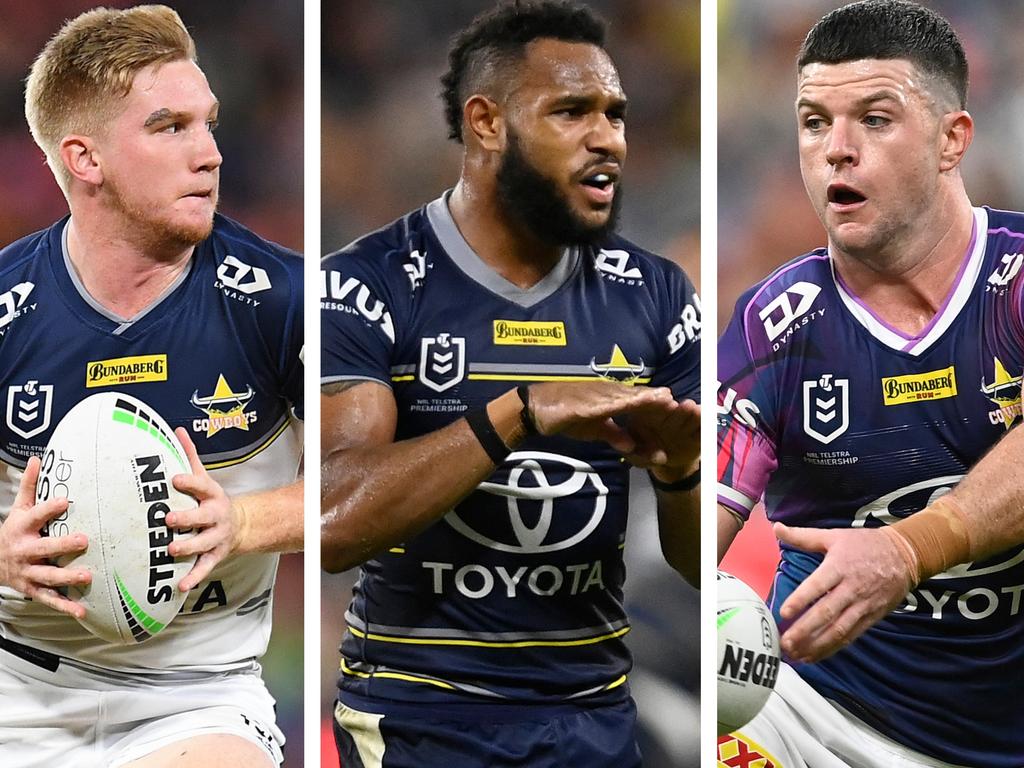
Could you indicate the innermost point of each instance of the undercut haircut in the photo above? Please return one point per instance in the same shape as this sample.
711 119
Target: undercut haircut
482 56
82 73
890 29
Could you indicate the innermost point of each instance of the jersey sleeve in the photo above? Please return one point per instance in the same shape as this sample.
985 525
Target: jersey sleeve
746 447
680 370
357 329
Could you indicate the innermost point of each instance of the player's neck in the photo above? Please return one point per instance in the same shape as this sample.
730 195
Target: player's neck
500 242
121 274
907 287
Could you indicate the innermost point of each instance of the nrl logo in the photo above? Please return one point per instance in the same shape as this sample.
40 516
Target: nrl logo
442 361
225 409
826 407
618 368
28 408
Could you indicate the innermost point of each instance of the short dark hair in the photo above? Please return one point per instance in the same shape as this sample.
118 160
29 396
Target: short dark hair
498 38
890 29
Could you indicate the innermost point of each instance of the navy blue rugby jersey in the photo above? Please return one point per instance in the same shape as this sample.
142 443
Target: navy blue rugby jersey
516 594
218 353
840 421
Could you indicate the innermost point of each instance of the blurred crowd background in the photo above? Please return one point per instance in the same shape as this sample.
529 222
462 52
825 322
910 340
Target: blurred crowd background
384 153
764 216
251 51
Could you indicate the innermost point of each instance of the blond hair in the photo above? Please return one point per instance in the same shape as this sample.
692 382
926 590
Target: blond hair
90 64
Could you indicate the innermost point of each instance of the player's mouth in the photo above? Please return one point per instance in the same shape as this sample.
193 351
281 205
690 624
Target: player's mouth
598 183
843 198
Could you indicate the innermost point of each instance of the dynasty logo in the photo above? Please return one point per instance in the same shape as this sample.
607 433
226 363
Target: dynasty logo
913 388
224 409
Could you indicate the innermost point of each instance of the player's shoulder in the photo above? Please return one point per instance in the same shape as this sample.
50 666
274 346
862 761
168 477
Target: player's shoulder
21 255
622 261
1004 222
792 293
242 244
381 254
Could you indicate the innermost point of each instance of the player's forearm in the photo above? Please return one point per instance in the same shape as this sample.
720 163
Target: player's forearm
375 497
679 530
271 521
991 496
982 516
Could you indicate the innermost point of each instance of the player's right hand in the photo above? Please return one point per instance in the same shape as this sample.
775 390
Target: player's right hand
861 579
587 410
25 555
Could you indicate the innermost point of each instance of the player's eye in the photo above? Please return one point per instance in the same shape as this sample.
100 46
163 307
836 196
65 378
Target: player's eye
171 128
573 112
814 123
211 125
875 121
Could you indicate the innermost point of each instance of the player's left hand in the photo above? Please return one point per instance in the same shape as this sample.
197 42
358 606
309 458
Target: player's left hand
219 524
667 438
862 578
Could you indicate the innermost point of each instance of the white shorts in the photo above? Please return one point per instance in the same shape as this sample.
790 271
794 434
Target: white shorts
82 718
800 728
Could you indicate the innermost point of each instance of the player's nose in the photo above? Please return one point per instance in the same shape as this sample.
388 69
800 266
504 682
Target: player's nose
206 156
607 137
841 146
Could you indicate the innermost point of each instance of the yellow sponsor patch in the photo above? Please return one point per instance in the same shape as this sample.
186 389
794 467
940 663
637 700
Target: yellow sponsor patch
934 385
126 370
527 333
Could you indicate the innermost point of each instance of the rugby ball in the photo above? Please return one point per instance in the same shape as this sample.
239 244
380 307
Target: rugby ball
748 653
113 457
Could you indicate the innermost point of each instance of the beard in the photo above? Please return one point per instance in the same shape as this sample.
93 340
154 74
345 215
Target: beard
535 201
159 232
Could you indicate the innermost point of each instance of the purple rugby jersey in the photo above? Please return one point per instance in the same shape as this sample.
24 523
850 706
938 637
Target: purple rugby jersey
837 420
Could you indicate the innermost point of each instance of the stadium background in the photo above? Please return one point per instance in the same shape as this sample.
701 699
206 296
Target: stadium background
384 152
251 51
764 215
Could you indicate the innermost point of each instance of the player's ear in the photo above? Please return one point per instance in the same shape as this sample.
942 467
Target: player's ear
80 157
482 118
957 133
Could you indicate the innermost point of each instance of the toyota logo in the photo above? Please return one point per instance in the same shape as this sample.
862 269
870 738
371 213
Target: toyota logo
540 479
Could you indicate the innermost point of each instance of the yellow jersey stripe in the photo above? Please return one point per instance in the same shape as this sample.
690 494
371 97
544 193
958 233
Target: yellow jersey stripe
396 676
488 643
258 449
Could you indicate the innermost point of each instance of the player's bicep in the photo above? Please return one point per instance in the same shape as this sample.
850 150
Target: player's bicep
356 414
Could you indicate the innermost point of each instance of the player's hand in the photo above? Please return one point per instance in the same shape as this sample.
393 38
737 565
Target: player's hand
219 524
667 438
25 555
587 410
862 578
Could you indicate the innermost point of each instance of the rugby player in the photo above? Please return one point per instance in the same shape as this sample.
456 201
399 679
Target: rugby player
145 289
488 362
869 393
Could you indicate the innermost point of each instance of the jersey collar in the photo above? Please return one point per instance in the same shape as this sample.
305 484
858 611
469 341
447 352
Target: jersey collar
467 260
963 286
123 323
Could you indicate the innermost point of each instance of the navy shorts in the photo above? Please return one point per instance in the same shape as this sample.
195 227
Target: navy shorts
483 736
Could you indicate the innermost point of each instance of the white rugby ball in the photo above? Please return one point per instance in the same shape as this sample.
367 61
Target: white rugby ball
113 457
748 653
